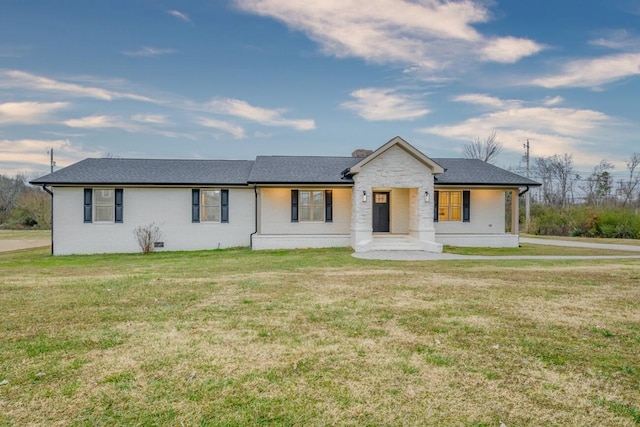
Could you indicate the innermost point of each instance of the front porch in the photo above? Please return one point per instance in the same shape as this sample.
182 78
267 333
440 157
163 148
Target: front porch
394 218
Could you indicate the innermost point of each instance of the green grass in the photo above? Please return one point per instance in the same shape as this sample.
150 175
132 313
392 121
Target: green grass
316 337
24 234
535 250
633 242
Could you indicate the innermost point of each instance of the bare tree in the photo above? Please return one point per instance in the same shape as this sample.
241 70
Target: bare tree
484 149
558 179
599 184
628 188
544 171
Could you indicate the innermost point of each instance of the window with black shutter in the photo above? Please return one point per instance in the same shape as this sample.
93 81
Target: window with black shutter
119 196
224 206
294 205
88 201
466 206
195 205
328 206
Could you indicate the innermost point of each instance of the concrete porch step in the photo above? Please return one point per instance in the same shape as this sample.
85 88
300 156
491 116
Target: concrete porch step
394 242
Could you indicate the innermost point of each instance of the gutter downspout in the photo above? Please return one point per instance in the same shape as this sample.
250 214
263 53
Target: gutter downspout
44 187
527 213
255 191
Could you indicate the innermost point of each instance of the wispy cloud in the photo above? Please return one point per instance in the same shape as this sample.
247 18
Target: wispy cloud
146 51
20 79
230 128
264 116
181 16
554 129
592 73
156 119
617 40
100 121
29 112
485 100
384 104
431 35
20 153
549 102
138 123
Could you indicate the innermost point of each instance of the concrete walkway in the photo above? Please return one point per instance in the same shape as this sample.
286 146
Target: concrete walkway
428 256
16 245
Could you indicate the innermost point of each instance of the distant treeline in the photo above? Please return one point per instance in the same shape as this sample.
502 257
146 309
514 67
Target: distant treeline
22 205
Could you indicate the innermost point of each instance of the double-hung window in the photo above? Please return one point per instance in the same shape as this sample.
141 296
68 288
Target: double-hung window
449 205
452 206
311 206
209 205
103 205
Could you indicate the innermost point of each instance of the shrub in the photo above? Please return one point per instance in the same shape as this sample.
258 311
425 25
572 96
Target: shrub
146 236
585 221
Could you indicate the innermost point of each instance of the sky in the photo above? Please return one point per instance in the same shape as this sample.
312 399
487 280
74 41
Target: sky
234 79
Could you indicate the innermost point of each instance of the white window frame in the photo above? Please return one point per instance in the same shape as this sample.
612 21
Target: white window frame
311 206
214 207
104 206
449 207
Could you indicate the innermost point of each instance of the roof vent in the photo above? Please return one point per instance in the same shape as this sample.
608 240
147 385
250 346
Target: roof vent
361 153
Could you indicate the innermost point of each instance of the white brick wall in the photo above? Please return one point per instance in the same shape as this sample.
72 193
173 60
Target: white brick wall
169 208
487 211
275 213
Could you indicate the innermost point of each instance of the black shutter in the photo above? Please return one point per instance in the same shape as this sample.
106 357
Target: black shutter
88 198
294 205
224 203
436 201
466 206
195 205
328 206
118 204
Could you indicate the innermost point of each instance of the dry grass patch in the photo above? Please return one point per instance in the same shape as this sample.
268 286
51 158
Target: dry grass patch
317 338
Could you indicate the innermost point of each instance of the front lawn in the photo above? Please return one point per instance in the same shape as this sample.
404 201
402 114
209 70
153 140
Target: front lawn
24 234
316 337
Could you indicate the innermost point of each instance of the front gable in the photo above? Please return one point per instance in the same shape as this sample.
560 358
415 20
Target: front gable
389 153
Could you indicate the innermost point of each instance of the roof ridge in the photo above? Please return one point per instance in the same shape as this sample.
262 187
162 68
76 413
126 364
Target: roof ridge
314 156
169 159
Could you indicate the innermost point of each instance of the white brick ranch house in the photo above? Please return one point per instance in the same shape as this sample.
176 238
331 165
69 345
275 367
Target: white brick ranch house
395 198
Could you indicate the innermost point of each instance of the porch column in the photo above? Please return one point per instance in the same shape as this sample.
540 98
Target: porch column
361 216
515 212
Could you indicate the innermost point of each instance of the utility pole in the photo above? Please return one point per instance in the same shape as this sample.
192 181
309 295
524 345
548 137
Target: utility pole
527 196
52 162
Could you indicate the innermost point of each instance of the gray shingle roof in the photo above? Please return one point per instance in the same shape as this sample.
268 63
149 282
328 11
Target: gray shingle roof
301 170
477 172
151 171
265 170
